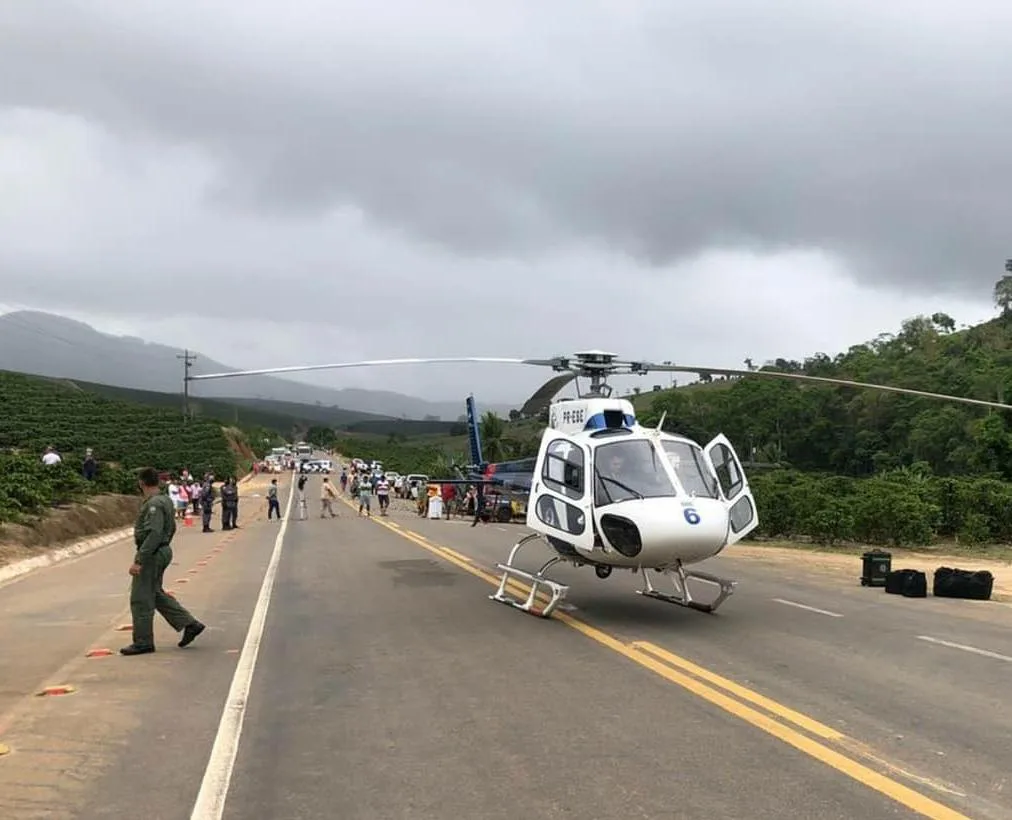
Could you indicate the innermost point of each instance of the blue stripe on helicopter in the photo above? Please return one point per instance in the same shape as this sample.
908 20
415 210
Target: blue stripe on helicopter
597 422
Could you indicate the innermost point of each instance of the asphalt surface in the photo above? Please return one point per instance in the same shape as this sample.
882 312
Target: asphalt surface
133 739
387 685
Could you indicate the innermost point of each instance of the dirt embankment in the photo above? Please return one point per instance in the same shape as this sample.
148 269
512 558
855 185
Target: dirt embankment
237 441
67 525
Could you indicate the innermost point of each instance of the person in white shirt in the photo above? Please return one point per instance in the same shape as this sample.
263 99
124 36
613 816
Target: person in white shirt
383 494
51 456
174 497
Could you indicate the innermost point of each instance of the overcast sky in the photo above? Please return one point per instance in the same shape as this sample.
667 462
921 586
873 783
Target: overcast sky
299 182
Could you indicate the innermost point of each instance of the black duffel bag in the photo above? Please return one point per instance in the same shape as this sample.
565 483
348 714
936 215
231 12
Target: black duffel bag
963 583
910 583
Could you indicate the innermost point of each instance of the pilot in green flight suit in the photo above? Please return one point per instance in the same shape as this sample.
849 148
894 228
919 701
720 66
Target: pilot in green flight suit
153 532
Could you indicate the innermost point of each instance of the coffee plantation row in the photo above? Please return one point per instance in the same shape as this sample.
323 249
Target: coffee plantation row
124 437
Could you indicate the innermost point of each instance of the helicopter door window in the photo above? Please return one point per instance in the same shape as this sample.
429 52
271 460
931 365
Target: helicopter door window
728 473
691 469
563 470
742 513
625 470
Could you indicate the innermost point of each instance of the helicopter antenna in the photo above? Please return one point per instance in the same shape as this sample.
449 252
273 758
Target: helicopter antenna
660 424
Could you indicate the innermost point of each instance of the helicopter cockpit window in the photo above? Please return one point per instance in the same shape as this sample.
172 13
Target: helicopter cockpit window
563 470
692 471
624 470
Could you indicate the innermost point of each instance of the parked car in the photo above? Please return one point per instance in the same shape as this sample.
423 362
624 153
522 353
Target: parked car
318 465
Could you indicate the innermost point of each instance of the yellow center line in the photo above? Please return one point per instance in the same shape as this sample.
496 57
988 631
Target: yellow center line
746 694
660 661
456 554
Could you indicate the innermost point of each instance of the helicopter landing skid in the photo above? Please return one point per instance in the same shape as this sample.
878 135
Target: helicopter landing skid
679 579
537 581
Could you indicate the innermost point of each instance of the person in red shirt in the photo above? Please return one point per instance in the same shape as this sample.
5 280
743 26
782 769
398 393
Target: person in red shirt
449 492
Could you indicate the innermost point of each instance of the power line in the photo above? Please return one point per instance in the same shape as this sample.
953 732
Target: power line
188 359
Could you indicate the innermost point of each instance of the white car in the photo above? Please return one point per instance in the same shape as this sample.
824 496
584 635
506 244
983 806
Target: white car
320 465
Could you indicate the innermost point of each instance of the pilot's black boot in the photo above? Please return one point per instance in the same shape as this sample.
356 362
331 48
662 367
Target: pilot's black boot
134 649
190 633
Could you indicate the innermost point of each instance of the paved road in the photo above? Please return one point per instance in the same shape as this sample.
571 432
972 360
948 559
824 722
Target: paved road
922 684
387 685
134 727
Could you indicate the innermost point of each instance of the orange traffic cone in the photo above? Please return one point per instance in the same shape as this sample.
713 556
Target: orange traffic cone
187 521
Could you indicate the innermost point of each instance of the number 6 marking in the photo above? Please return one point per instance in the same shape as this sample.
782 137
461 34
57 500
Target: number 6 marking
691 515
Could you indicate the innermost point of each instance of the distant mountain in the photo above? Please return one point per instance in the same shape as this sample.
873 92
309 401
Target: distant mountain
46 344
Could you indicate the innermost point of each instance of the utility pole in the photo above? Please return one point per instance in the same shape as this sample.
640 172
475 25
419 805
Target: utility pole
188 360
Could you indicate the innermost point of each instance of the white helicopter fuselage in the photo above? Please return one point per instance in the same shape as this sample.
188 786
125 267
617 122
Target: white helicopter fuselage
610 492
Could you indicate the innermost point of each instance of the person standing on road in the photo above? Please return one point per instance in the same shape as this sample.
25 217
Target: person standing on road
365 498
327 496
153 532
383 494
229 504
273 505
479 505
207 502
302 496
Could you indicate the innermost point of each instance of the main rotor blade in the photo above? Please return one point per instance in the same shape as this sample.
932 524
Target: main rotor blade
776 374
267 371
543 396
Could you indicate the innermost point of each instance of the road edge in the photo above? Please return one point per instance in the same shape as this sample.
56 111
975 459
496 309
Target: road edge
17 569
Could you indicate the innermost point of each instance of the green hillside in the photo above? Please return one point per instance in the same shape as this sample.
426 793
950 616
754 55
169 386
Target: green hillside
290 419
36 412
282 417
865 465
859 432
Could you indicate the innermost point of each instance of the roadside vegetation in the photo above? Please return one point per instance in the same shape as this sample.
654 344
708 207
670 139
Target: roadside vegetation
36 413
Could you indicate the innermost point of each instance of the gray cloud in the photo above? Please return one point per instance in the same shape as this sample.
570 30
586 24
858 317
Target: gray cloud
661 129
689 179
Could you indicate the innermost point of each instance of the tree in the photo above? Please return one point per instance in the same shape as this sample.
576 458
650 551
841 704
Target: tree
944 322
492 429
1003 294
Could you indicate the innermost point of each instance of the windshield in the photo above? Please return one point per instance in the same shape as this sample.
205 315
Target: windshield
629 469
690 468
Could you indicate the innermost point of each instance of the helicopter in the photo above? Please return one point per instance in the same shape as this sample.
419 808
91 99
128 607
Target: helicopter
609 493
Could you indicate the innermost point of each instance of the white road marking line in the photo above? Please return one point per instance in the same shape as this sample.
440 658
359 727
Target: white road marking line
986 653
809 608
210 803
